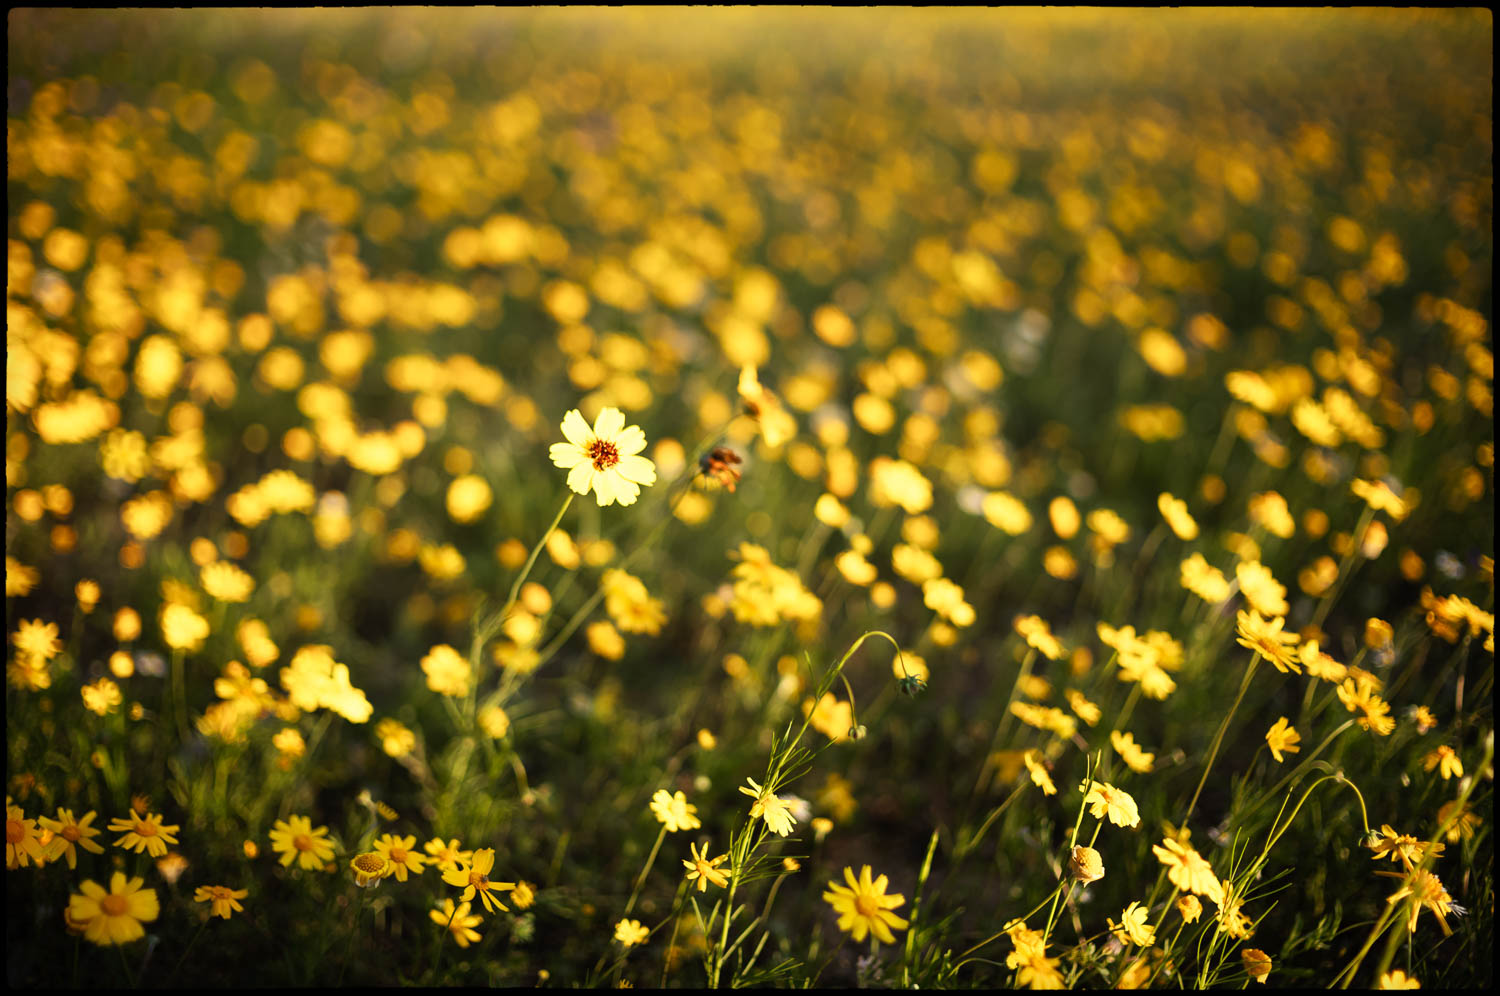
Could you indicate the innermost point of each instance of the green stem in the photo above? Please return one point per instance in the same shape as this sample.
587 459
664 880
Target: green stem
1345 570
125 965
641 879
353 931
1219 737
438 948
201 927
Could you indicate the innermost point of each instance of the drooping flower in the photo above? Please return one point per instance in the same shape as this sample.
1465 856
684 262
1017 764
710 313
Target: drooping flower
604 459
863 906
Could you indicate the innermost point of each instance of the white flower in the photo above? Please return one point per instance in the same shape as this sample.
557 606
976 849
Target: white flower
605 458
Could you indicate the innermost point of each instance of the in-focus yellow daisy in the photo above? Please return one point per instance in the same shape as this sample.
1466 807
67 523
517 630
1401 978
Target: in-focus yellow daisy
144 833
224 899
864 908
114 917
370 869
401 852
604 459
1115 803
23 844
770 807
703 869
458 921
474 878
674 811
69 834
295 840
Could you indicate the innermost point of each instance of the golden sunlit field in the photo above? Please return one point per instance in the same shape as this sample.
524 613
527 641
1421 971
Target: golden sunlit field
749 497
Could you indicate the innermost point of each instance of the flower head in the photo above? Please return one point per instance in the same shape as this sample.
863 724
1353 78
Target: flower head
69 834
1424 889
1133 926
631 932
224 899
144 833
1187 870
604 459
1264 636
23 843
401 852
1281 738
864 908
446 857
114 917
674 811
1257 964
295 840
1085 864
1115 803
370 867
473 877
770 807
458 921
704 870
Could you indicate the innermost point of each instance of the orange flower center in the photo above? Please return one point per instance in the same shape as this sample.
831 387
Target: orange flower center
145 829
604 455
398 855
114 905
70 832
15 831
479 881
866 905
302 842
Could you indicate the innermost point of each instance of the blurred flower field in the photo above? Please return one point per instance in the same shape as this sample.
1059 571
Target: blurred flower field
727 497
